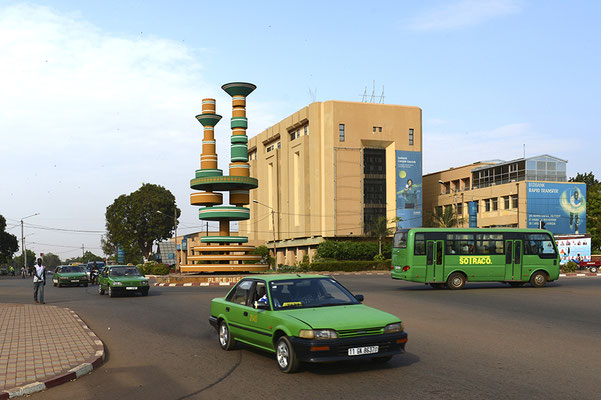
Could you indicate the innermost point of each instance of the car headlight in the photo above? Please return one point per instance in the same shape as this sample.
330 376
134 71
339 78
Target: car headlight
318 334
144 282
117 283
396 327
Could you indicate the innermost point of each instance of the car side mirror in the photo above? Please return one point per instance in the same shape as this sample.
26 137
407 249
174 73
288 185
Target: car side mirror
359 298
261 305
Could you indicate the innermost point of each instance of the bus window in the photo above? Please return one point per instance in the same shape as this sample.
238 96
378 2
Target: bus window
489 243
540 244
517 255
400 240
419 245
461 243
430 254
439 250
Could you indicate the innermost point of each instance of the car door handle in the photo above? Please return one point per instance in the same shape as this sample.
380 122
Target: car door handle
246 313
227 308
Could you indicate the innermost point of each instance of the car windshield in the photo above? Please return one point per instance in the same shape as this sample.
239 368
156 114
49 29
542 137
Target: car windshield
308 293
71 268
125 271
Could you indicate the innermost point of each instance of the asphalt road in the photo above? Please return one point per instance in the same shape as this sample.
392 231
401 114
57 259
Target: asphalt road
487 341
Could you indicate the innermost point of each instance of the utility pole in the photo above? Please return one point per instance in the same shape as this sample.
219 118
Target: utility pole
83 252
175 227
23 240
275 251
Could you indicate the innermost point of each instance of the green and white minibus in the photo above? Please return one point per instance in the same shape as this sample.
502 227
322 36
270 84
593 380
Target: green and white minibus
453 256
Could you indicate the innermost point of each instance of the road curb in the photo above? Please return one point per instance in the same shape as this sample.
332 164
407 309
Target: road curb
579 274
88 366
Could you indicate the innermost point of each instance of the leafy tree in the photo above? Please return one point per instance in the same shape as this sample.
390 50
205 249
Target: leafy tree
87 257
17 262
444 217
51 260
379 229
8 242
134 222
593 207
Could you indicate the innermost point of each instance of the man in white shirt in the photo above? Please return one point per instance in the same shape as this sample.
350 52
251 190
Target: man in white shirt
39 281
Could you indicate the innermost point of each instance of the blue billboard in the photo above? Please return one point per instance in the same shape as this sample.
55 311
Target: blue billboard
472 208
409 188
561 206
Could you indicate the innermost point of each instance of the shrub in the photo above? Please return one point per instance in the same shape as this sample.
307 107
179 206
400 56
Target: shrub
348 250
159 269
379 258
350 266
570 266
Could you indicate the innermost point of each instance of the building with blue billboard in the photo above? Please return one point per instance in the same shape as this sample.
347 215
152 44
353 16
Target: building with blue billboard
521 193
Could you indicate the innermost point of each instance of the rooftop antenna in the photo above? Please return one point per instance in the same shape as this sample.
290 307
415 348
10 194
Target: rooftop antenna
313 95
373 92
524 150
382 96
364 97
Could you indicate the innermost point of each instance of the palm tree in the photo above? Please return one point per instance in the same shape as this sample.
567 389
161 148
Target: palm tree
379 229
444 217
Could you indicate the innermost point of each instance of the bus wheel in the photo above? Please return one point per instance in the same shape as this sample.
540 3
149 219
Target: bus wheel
437 285
538 279
456 281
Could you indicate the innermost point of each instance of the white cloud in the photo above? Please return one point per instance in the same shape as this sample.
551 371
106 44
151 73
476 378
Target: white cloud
86 116
463 13
443 149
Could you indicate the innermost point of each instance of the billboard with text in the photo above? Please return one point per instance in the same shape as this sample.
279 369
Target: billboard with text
409 188
561 206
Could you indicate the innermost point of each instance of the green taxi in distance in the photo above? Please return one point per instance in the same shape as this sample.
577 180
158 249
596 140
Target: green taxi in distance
308 318
69 275
120 279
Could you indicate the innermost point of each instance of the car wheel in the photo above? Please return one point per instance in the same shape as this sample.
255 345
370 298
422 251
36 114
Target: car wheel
593 270
144 292
54 284
85 285
226 341
538 279
516 284
100 290
285 356
456 281
111 292
382 360
60 285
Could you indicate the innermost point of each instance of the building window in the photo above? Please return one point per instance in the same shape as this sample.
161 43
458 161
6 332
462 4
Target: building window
253 155
279 145
341 132
495 204
487 205
410 137
374 129
459 209
292 136
306 130
514 201
379 129
270 148
506 202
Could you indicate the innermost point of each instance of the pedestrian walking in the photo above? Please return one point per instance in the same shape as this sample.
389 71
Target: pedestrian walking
39 281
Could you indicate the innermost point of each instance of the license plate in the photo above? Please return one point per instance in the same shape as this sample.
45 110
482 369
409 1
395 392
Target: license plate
131 288
357 351
74 280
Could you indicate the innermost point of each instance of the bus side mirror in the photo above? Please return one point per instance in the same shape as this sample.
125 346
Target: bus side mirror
359 298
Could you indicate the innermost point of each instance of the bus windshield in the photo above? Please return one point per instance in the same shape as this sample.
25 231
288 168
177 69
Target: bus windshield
400 239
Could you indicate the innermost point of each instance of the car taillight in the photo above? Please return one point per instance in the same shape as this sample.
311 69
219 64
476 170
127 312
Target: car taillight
406 268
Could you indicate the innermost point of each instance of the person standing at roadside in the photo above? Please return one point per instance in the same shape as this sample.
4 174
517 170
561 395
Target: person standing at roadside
39 281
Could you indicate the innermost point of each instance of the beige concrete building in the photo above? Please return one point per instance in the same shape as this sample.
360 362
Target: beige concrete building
498 188
327 171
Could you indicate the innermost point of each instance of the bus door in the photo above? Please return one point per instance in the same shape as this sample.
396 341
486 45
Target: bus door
435 261
513 260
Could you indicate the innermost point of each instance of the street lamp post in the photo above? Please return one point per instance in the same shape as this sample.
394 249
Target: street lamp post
175 239
23 239
275 254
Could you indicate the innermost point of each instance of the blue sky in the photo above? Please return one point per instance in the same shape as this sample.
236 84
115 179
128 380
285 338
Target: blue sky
100 96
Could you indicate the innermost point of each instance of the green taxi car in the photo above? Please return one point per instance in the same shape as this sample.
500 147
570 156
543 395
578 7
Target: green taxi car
309 318
121 279
69 275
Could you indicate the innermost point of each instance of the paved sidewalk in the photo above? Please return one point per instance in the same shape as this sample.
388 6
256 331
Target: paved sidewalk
43 346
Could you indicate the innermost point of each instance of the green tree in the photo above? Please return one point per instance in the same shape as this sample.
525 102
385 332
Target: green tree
17 262
593 207
444 217
379 229
8 242
134 222
87 257
51 260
